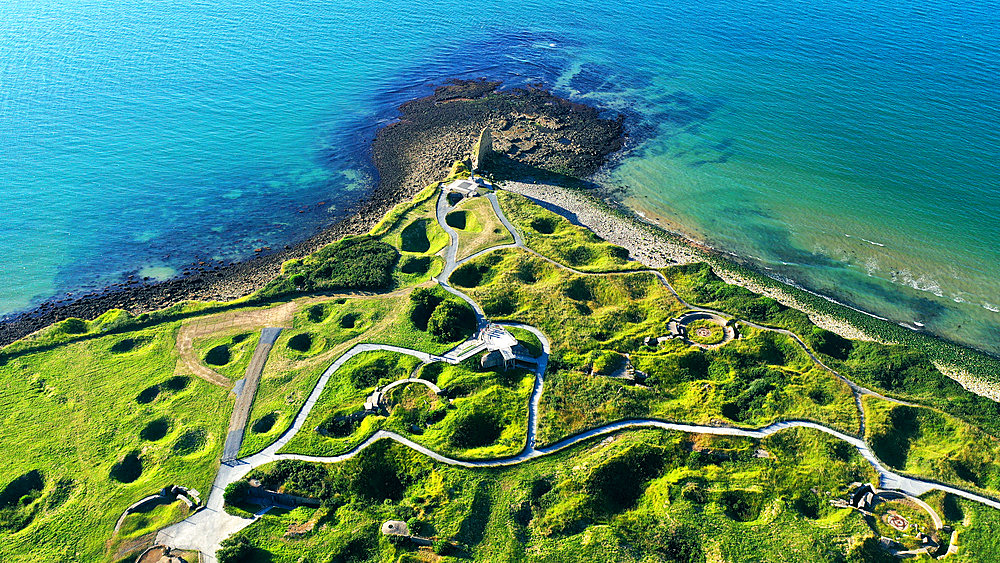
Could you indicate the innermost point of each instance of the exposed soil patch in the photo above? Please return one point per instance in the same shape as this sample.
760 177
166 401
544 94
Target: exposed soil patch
155 430
128 469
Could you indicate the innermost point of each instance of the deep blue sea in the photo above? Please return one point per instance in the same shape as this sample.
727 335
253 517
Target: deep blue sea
852 147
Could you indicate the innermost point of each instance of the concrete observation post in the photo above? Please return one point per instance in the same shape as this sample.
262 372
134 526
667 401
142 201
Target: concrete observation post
482 150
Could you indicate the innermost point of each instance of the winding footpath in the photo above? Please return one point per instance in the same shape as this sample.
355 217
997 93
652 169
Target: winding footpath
205 529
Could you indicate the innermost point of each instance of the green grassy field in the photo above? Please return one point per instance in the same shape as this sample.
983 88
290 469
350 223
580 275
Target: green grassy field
904 371
332 327
928 443
92 427
639 496
477 226
481 415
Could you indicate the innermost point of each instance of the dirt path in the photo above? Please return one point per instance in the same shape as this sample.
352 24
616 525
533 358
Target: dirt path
279 316
241 410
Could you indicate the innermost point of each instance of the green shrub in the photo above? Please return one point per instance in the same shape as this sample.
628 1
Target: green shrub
351 263
829 343
476 429
716 333
423 303
236 549
608 362
368 374
451 321
236 493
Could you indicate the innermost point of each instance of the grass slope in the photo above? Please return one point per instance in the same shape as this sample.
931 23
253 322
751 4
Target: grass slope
80 415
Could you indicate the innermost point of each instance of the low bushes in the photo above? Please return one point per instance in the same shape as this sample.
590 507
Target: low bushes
351 263
476 429
451 320
447 320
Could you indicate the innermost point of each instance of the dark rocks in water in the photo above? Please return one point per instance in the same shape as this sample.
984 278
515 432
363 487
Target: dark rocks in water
534 128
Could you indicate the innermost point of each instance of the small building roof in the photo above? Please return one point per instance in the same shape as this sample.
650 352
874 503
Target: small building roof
463 186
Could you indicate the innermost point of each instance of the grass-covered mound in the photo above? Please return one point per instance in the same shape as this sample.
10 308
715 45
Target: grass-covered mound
554 236
906 371
750 382
334 325
573 311
486 418
931 444
361 262
713 332
642 496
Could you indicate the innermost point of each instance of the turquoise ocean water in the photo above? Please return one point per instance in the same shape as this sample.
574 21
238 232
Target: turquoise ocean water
849 147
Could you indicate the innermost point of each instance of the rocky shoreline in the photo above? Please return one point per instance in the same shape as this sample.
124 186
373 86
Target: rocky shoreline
535 128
